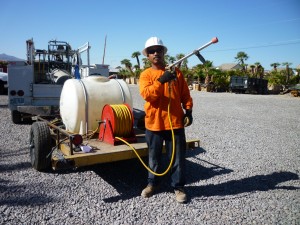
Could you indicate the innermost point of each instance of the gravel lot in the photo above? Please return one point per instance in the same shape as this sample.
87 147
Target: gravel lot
246 171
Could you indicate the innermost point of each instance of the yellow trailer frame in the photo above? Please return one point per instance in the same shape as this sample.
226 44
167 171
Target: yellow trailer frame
104 153
51 146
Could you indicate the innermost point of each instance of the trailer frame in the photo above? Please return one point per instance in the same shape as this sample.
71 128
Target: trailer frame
51 146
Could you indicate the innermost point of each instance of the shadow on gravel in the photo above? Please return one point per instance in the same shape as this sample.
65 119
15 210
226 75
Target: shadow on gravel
194 152
130 177
12 196
245 185
12 167
202 169
127 177
6 154
18 153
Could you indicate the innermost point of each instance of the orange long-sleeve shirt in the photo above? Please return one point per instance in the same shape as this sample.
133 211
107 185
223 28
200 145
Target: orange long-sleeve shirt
156 96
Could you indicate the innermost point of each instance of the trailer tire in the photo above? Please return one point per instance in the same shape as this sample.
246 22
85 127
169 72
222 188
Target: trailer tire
40 146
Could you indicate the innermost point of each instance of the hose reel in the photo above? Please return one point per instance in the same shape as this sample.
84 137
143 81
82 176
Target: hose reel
116 121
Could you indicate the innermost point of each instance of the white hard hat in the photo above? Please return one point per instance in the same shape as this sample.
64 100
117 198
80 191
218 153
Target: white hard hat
154 41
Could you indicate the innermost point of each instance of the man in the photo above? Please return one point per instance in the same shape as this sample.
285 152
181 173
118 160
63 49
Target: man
161 87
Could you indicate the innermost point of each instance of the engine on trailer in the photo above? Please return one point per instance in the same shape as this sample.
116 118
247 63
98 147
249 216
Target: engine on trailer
54 65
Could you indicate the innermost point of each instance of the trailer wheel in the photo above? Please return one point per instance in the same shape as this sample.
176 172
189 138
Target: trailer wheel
40 146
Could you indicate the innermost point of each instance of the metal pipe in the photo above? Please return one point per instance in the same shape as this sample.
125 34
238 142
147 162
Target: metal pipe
213 41
54 126
59 130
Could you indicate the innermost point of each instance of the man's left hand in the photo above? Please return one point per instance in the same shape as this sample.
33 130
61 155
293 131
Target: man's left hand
188 118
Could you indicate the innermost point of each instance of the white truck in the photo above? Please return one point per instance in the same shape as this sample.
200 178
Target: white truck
35 88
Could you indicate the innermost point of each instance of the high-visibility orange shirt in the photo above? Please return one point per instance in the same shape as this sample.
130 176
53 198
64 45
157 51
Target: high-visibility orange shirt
156 96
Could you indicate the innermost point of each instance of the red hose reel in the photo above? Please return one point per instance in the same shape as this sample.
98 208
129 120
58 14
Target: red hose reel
116 121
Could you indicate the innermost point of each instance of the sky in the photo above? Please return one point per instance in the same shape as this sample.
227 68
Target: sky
268 31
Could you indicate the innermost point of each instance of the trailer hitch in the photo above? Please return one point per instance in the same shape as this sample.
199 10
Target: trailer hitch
59 162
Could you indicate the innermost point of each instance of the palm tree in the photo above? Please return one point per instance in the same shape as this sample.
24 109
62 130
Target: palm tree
257 68
287 64
198 72
146 63
220 79
184 62
136 55
241 57
275 65
297 77
167 57
124 73
207 66
260 71
172 59
128 65
137 71
252 69
245 67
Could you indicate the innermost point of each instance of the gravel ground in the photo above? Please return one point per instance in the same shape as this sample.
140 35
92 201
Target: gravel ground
246 171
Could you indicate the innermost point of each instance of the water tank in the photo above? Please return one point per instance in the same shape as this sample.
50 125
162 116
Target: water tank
82 101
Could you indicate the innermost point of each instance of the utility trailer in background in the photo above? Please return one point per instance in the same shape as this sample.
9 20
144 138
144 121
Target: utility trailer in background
249 85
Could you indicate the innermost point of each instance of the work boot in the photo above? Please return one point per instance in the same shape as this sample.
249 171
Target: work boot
148 191
180 195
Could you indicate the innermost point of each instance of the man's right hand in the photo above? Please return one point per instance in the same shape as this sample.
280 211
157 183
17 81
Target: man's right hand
167 76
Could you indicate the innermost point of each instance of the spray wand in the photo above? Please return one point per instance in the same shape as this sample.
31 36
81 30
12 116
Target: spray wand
196 52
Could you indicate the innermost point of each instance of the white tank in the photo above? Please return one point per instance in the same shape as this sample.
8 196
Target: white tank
82 101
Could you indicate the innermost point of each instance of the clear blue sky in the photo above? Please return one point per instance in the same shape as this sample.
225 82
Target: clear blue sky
267 30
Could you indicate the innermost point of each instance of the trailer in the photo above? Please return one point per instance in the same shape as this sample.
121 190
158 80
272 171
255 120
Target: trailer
54 148
245 84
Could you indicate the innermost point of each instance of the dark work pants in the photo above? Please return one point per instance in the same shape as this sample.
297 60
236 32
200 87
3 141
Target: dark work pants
155 141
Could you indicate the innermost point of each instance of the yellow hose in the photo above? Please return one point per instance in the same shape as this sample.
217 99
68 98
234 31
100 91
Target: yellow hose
173 142
123 123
